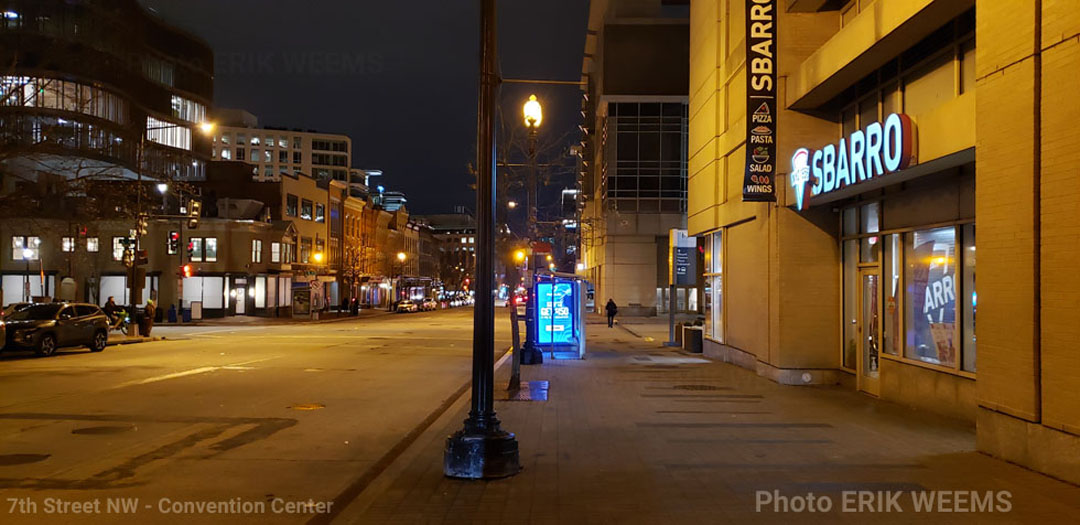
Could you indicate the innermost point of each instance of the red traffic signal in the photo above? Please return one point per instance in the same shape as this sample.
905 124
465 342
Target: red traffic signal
185 270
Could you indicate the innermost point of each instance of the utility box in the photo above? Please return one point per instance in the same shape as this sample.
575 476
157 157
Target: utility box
559 315
692 338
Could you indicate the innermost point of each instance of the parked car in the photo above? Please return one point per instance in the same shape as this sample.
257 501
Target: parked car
45 327
12 308
430 304
407 306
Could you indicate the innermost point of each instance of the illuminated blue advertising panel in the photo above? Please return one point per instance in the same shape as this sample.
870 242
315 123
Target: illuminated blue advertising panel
555 309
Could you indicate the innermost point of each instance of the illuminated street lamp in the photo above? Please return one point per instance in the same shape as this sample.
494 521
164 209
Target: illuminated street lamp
317 257
27 253
401 257
519 256
534 114
511 205
207 127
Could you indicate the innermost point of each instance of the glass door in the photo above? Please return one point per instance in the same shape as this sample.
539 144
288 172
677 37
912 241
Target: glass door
869 331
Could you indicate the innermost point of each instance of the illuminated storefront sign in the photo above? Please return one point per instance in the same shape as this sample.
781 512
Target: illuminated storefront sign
878 150
758 179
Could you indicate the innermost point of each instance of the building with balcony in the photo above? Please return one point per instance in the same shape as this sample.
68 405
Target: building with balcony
101 90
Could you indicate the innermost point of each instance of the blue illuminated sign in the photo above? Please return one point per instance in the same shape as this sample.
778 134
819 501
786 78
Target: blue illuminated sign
555 305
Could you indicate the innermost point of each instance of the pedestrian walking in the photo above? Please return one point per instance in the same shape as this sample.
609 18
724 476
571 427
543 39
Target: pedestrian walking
148 317
611 310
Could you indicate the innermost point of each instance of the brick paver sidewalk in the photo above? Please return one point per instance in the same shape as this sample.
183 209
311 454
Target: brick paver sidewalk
641 434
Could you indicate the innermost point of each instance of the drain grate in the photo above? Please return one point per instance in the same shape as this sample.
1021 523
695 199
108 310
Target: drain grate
699 387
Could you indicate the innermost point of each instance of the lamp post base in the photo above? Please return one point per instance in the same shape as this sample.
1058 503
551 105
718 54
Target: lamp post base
481 455
530 355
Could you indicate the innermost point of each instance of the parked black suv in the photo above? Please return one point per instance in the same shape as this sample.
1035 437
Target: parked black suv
45 327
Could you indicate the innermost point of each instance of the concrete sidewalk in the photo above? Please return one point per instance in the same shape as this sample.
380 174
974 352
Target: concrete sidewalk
641 434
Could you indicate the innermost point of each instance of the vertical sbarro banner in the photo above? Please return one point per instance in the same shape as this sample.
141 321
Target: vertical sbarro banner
759 179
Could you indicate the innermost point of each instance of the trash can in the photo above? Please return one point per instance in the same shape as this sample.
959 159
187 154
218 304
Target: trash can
691 339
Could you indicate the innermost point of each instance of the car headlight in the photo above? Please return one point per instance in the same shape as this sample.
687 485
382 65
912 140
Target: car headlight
26 333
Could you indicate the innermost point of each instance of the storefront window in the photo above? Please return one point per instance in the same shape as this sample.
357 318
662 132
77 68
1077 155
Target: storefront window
714 284
970 298
851 290
868 223
930 298
890 273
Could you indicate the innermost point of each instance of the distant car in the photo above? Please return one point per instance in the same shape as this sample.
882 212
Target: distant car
407 306
12 308
45 327
431 304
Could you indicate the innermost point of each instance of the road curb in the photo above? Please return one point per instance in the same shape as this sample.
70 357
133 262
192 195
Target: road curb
633 333
355 489
133 342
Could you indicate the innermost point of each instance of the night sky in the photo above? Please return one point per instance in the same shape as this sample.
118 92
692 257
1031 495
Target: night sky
398 77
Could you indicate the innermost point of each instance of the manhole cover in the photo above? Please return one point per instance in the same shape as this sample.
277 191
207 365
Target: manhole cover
307 406
698 387
105 430
7 460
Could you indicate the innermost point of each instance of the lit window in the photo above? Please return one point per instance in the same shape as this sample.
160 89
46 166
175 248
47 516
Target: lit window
226 154
283 142
195 249
225 138
92 244
256 251
305 210
211 249
67 244
472 240
19 245
275 252
268 156
255 140
168 134
320 213
188 110
118 248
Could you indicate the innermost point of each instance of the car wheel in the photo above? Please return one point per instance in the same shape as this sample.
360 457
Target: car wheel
46 345
100 340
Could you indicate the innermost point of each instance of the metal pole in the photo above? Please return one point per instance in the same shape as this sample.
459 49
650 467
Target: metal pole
482 449
530 354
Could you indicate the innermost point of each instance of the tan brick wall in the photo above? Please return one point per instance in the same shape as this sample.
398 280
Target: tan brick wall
1005 106
1060 243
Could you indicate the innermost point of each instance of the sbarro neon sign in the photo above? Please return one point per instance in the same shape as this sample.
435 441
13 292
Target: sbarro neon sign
878 150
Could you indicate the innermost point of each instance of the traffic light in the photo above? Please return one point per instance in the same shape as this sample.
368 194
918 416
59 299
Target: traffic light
174 242
194 212
185 271
190 249
144 224
141 257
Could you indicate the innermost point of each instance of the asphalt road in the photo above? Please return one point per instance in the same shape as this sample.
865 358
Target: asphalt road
236 416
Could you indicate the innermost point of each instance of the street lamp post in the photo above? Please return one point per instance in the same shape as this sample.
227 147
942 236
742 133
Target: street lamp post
534 115
397 284
27 253
482 449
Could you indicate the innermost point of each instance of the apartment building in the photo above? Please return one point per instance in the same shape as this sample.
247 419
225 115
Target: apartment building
275 152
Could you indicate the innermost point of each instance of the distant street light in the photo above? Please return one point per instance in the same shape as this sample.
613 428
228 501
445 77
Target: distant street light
207 127
519 256
511 205
162 188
